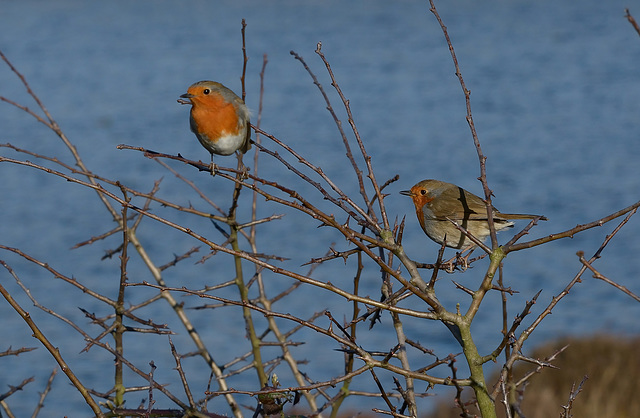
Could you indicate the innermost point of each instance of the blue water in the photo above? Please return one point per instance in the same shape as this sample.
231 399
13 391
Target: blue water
555 103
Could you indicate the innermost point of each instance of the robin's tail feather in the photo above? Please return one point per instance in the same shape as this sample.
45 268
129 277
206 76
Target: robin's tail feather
520 216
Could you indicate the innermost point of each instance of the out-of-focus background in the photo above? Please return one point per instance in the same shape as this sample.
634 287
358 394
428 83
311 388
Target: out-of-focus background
554 89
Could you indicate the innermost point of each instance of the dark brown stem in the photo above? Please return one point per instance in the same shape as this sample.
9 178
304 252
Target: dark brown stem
631 20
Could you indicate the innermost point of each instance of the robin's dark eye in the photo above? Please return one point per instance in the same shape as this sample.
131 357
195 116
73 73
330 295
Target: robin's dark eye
423 192
206 91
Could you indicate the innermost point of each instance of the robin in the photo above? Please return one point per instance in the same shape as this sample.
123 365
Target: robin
219 118
438 203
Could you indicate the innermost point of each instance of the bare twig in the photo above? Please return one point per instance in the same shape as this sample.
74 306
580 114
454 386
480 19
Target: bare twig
14 389
467 97
10 352
45 392
566 409
365 155
571 232
55 353
631 20
183 378
338 123
600 276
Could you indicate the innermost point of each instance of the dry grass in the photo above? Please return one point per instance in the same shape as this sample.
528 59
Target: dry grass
612 365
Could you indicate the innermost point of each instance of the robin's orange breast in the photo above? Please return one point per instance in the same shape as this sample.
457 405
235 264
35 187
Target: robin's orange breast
214 118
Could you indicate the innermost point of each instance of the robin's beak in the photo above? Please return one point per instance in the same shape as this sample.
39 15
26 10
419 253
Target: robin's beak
185 98
407 193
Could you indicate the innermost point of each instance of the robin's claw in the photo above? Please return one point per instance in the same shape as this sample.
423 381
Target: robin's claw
244 174
462 262
449 266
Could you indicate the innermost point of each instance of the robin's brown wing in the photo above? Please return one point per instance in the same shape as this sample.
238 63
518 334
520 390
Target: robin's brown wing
457 204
